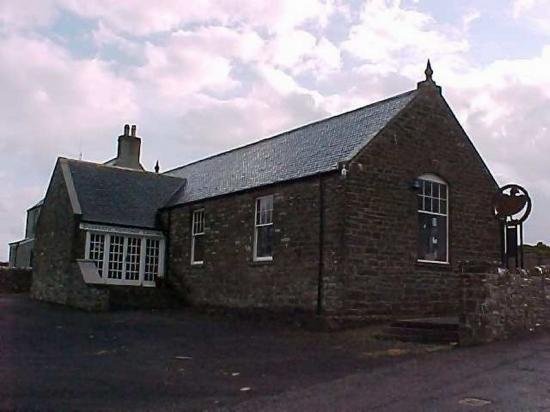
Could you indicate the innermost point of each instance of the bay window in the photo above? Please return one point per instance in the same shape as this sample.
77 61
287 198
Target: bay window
125 257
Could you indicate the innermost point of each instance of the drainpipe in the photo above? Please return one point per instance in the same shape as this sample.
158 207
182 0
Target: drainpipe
167 249
321 245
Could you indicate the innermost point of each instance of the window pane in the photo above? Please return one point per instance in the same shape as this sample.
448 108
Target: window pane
132 258
428 188
97 245
152 247
198 249
428 204
115 257
420 202
264 210
264 246
443 206
198 222
432 241
435 205
443 192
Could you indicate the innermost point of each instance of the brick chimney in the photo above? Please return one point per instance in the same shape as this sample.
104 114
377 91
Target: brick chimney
129 147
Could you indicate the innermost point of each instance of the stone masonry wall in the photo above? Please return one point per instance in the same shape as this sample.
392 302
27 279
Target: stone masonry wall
229 277
59 242
15 280
54 243
382 276
498 304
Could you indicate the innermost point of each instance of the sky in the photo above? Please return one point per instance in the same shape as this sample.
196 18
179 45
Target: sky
199 77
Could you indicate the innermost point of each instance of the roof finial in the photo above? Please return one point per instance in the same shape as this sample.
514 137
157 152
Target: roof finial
157 167
429 72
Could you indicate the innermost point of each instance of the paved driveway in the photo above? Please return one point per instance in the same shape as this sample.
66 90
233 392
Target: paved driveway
56 358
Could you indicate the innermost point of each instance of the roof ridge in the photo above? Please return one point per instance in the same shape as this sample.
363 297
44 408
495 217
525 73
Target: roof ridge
292 130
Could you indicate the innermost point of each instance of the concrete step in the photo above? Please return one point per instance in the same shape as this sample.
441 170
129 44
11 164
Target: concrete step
418 335
440 323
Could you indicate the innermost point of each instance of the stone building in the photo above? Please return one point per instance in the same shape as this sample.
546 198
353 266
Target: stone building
21 252
365 214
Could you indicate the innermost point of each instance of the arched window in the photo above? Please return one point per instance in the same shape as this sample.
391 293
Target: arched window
433 220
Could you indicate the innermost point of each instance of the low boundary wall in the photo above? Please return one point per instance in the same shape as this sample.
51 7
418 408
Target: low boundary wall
15 280
498 303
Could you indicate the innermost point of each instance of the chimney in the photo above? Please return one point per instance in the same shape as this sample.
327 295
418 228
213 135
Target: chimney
129 146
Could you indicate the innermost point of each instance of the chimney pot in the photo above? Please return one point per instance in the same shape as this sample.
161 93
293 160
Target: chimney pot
129 147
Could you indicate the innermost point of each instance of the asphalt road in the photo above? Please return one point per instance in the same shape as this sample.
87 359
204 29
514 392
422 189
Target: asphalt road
506 376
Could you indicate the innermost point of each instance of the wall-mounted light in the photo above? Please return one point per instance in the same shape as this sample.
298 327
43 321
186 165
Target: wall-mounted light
416 185
342 166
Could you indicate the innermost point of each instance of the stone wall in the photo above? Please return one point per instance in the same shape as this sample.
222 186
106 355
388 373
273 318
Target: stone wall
15 280
533 259
381 275
59 242
497 304
54 243
229 276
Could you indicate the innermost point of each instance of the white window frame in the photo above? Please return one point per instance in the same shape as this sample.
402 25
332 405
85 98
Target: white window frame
88 250
107 233
135 282
196 225
160 268
436 179
257 225
115 281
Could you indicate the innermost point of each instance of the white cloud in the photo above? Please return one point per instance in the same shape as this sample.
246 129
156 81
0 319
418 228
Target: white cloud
388 33
51 104
469 18
505 107
300 51
536 12
15 14
143 17
47 92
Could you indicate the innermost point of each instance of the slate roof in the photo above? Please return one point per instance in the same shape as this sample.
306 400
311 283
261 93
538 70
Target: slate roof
118 196
314 148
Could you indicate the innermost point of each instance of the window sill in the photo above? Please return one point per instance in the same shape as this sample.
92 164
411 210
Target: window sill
261 262
433 265
197 265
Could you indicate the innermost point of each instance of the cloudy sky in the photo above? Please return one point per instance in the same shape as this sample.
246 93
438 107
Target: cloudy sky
199 77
